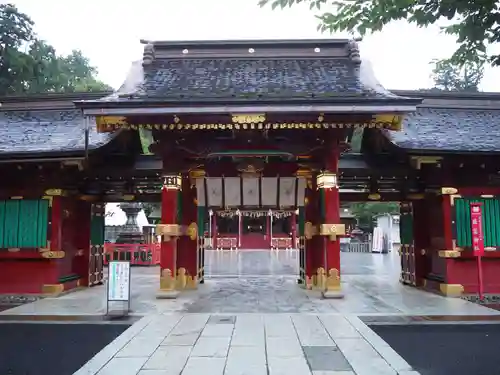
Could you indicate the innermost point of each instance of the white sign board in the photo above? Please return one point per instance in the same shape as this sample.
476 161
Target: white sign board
119 281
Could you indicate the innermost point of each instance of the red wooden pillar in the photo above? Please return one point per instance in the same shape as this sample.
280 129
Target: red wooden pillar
168 255
214 230
187 247
328 184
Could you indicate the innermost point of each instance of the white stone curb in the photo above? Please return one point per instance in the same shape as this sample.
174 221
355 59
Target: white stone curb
93 366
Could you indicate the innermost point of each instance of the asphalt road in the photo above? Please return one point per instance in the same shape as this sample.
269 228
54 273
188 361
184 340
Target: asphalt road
51 349
447 349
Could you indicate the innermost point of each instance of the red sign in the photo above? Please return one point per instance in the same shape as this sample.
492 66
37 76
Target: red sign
476 220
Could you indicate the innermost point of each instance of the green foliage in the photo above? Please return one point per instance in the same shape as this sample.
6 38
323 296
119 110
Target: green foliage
30 65
364 212
448 76
475 24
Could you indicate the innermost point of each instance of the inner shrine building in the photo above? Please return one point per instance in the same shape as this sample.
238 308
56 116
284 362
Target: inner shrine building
248 144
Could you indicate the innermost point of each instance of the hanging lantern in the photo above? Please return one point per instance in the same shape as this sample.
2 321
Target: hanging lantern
172 182
326 180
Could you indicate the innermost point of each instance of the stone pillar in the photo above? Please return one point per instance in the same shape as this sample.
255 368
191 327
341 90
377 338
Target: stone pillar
331 228
170 230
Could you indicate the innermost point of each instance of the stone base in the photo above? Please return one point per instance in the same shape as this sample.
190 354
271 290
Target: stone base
332 294
167 294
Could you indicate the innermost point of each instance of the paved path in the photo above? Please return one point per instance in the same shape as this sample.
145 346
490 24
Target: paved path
248 344
250 317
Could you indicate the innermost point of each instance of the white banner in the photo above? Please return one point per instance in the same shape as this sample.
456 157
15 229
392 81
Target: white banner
232 191
287 191
269 191
251 191
200 191
301 192
214 191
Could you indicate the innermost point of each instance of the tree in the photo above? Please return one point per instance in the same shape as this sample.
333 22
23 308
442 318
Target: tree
31 65
474 23
448 76
364 212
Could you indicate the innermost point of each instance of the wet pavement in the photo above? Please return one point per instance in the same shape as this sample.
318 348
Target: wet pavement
250 281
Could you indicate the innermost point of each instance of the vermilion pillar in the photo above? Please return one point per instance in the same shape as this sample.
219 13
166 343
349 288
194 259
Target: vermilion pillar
186 244
293 221
327 182
168 254
313 253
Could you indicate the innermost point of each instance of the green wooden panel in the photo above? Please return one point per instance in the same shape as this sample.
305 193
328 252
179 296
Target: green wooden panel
2 223
179 207
28 224
43 222
406 228
11 226
97 230
491 221
322 204
302 220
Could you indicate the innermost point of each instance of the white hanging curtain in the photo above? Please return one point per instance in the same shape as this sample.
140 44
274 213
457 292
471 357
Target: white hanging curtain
287 192
232 192
214 191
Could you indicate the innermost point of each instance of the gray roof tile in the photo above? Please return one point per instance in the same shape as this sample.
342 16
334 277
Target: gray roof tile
254 78
46 131
446 129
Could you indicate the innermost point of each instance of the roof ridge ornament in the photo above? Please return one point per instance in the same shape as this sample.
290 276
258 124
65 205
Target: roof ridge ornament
353 51
148 55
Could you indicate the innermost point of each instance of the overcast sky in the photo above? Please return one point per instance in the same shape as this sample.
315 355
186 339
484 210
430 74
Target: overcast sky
108 32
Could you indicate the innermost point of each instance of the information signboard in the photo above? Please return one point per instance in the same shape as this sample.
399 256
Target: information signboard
118 286
476 223
476 218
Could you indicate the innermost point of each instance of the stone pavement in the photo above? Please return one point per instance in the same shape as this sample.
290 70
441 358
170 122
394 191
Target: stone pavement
248 344
250 317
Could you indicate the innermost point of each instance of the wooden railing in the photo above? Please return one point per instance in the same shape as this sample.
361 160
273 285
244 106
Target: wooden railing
137 254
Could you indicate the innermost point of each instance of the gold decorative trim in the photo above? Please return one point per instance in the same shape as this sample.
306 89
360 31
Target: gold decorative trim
448 190
52 289
417 161
393 121
168 230
13 249
54 192
451 290
128 197
49 198
332 230
309 230
453 197
449 254
17 197
240 126
52 254
88 198
192 231
422 252
167 280
241 118
374 196
333 280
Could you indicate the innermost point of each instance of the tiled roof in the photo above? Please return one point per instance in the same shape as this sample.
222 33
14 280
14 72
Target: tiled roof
254 79
450 129
46 131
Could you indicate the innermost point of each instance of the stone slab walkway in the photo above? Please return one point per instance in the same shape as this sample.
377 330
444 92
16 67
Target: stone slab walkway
248 344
